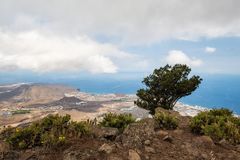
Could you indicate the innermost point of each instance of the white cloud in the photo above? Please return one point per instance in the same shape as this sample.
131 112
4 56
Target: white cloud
45 52
210 50
179 57
69 35
131 22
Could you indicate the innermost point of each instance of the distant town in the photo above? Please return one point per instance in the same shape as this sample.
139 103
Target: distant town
23 103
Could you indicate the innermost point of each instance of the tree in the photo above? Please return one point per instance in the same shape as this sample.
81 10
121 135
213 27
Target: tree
165 86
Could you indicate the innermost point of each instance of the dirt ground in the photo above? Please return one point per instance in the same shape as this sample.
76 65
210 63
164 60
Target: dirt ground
139 141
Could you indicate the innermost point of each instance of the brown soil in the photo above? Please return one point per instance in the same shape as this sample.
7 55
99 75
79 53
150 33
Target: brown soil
139 138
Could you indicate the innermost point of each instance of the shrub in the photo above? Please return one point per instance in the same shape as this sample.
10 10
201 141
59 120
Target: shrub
120 121
221 112
165 121
51 131
21 138
218 124
78 128
20 112
92 122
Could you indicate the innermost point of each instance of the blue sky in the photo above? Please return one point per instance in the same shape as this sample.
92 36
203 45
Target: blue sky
116 39
224 60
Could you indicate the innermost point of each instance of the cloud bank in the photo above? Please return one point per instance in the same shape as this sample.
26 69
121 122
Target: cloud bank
131 22
79 35
44 52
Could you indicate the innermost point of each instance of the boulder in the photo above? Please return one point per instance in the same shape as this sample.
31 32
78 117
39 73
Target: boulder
168 138
204 141
133 155
149 149
76 154
105 132
161 133
178 132
106 148
136 133
147 142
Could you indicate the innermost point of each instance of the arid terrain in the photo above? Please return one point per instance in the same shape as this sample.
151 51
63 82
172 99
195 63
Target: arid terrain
25 103
139 141
38 100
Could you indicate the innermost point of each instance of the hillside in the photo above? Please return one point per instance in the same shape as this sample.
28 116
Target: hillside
27 94
139 141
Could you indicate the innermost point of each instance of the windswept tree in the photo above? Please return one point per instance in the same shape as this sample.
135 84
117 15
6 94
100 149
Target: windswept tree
165 86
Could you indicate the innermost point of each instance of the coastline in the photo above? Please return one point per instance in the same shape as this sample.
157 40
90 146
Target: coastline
110 102
189 110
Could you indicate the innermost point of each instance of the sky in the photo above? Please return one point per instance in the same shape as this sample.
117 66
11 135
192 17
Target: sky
123 38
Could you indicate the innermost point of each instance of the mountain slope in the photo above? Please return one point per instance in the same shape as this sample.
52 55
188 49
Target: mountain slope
26 94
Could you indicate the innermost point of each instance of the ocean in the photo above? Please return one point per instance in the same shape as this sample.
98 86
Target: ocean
214 92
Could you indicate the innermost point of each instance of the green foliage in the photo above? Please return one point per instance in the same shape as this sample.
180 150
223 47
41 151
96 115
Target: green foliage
165 121
218 124
20 112
51 131
120 121
165 86
91 122
78 128
221 112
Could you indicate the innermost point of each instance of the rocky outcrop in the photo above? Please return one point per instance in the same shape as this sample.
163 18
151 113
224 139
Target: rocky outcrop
105 132
139 141
135 134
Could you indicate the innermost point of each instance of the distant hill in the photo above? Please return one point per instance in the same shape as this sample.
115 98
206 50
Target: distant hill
67 101
70 100
10 91
33 93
